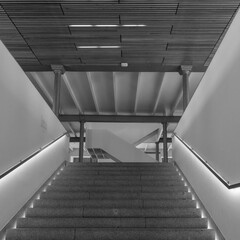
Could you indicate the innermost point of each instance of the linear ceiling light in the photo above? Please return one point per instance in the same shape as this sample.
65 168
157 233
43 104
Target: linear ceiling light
98 46
77 25
107 25
87 47
134 25
109 46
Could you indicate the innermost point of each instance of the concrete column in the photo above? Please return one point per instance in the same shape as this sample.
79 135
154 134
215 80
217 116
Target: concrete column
81 141
165 144
185 72
58 71
157 151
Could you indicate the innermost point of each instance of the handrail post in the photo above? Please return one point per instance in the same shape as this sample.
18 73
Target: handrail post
165 145
157 151
81 140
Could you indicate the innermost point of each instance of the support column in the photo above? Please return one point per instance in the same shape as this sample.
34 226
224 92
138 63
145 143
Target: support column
165 144
81 141
157 151
185 72
58 71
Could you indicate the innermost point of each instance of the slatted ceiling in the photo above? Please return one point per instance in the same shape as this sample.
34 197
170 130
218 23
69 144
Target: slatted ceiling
70 61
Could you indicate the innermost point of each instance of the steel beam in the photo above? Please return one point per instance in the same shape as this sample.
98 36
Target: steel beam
157 151
114 68
119 118
81 141
169 140
76 139
165 144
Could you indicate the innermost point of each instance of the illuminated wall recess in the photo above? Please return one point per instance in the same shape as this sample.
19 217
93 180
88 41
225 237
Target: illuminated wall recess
21 162
205 163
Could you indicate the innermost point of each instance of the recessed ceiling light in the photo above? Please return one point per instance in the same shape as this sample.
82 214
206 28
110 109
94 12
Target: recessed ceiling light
109 46
98 46
77 25
107 25
134 25
101 25
87 47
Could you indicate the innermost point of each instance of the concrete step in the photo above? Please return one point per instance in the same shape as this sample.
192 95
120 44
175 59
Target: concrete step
115 203
176 223
109 234
118 189
119 173
112 182
114 195
119 177
120 168
126 164
113 212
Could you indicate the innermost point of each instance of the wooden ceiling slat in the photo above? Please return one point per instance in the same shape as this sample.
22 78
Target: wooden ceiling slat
176 31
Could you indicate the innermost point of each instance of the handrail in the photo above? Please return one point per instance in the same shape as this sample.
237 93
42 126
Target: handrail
21 162
206 164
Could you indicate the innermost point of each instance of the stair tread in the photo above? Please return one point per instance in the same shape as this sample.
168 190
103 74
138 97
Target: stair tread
112 233
120 201
113 212
115 203
113 222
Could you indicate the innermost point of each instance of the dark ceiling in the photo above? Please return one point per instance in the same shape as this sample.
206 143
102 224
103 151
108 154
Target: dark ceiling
170 33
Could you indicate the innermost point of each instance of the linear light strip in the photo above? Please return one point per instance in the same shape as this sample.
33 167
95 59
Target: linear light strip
96 47
212 170
21 162
107 25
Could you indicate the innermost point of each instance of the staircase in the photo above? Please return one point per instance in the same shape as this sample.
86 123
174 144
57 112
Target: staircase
120 201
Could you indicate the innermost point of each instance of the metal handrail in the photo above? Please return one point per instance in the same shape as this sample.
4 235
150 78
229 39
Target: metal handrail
21 162
206 164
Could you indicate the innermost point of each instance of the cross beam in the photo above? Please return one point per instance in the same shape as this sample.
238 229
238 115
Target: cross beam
119 118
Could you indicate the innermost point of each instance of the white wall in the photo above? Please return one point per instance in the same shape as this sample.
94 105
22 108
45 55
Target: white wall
211 126
19 186
221 203
115 146
26 121
26 124
211 122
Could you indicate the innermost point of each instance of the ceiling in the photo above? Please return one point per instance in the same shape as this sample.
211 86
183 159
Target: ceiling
152 37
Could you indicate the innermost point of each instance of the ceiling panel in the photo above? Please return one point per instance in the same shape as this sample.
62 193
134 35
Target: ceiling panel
172 84
149 85
79 85
101 84
125 91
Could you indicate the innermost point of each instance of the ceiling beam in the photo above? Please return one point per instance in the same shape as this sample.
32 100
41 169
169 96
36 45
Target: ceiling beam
158 96
137 93
114 68
119 118
115 92
89 77
74 98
